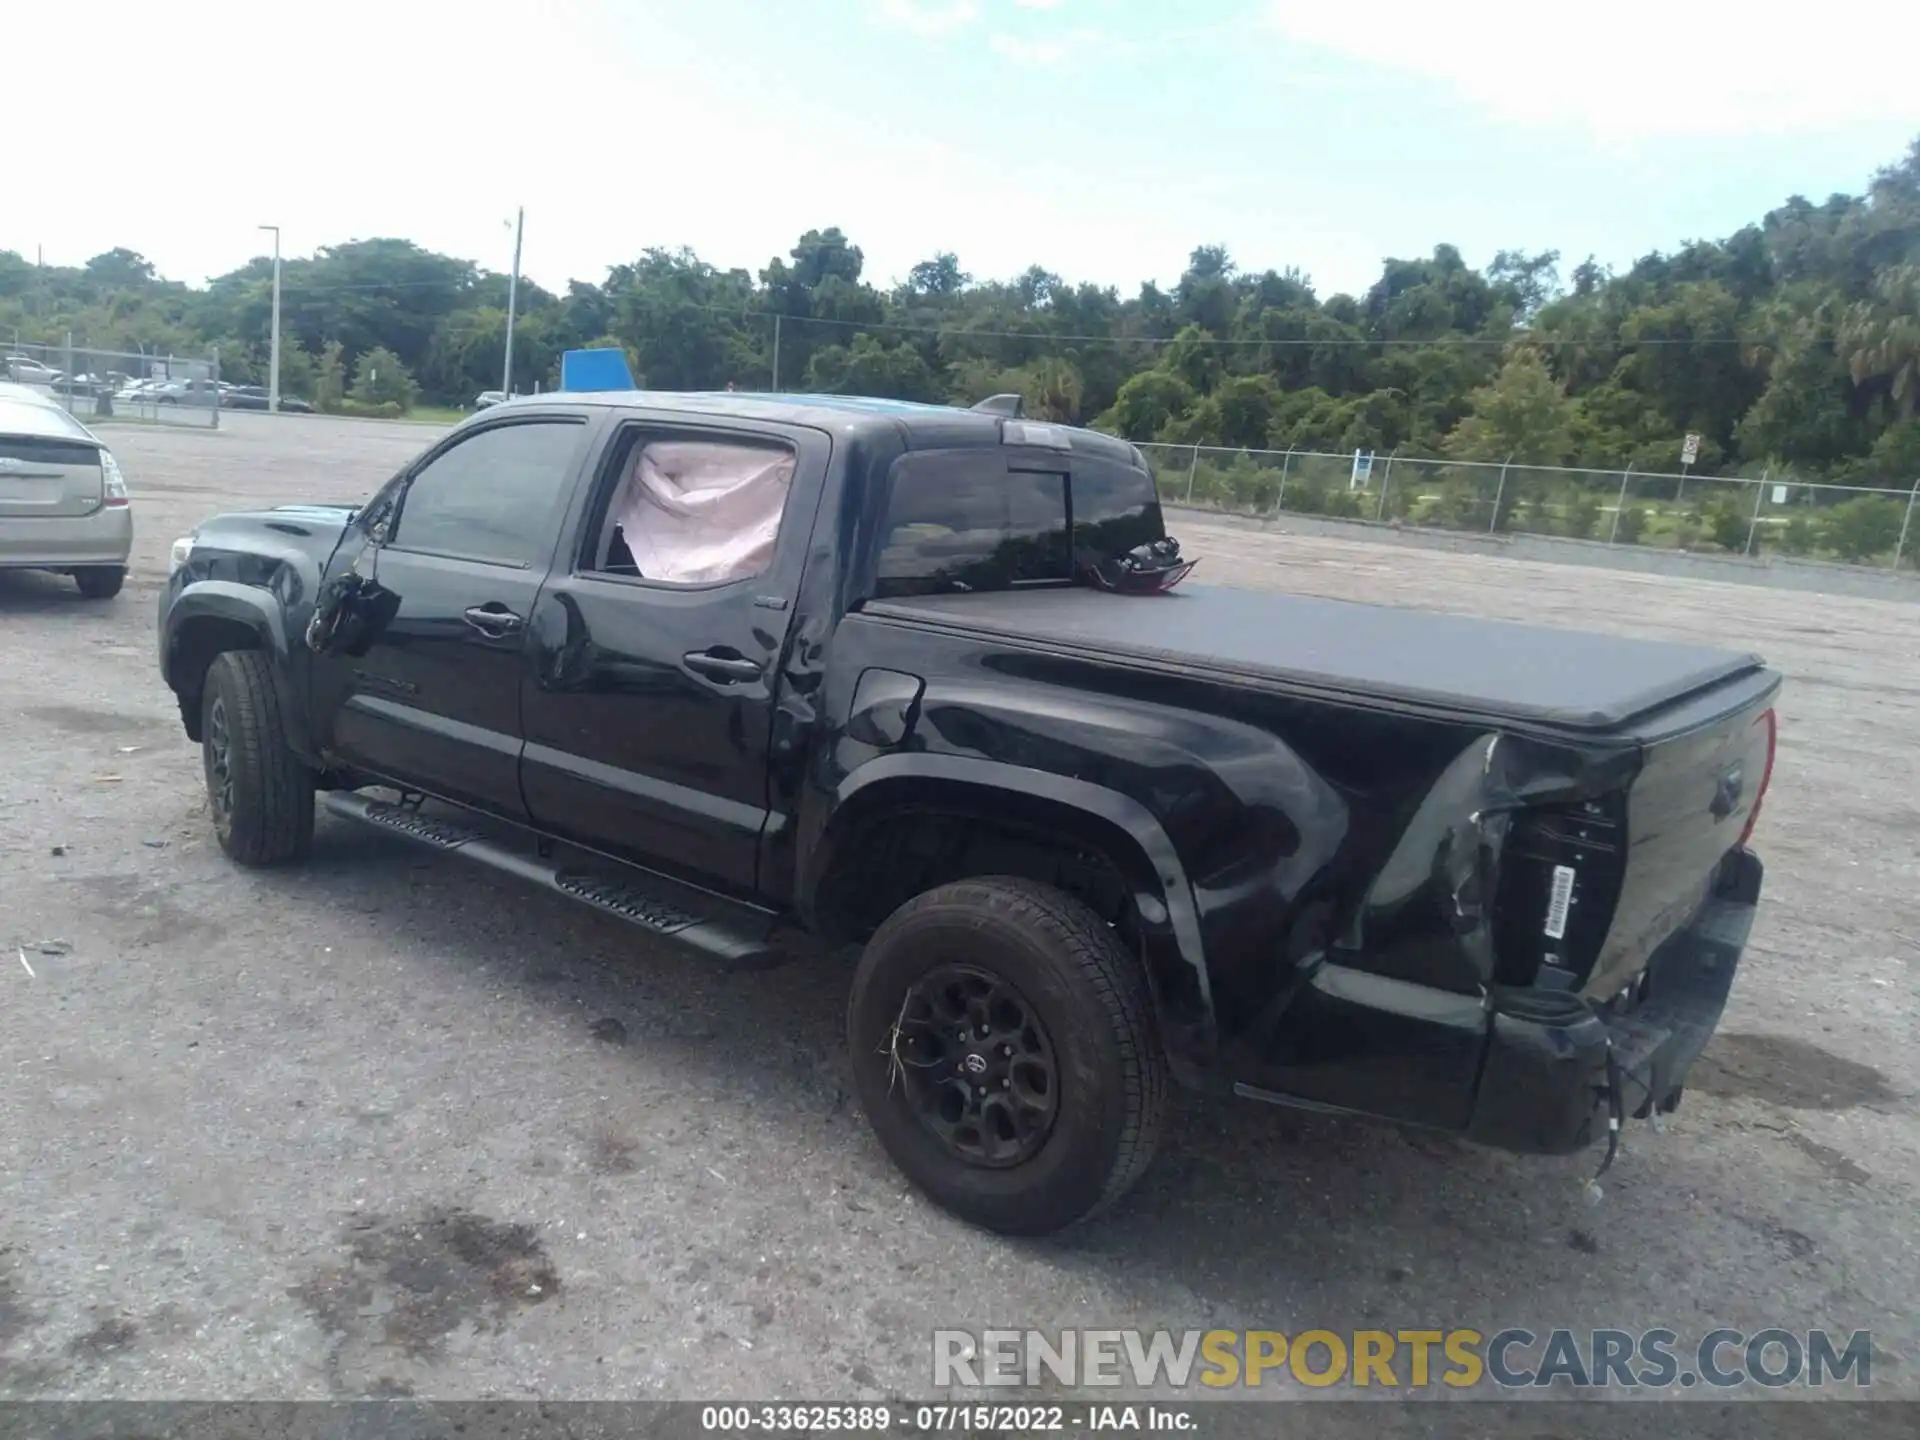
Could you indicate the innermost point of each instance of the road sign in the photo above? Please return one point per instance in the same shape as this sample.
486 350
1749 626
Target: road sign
1362 469
1779 494
1690 450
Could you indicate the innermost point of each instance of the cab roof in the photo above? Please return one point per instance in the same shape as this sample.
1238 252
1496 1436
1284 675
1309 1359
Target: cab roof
920 426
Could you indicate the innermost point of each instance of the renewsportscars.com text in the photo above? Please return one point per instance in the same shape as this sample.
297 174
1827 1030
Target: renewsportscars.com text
1511 1359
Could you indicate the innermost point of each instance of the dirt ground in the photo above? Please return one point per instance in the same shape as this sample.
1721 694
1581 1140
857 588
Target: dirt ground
388 1125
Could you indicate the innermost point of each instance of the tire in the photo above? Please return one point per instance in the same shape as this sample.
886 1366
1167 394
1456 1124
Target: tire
260 795
1060 962
100 582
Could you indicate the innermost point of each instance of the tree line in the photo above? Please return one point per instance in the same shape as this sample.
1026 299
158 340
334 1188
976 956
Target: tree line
1793 344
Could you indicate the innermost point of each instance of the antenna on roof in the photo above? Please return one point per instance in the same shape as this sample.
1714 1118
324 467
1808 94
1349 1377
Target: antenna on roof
1011 406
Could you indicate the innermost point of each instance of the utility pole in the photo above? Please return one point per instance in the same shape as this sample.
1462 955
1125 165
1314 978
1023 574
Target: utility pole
513 295
273 345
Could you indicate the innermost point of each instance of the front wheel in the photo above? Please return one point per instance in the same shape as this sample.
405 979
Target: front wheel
1004 1053
100 582
260 794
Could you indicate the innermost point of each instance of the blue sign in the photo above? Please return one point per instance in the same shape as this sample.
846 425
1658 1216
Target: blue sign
604 369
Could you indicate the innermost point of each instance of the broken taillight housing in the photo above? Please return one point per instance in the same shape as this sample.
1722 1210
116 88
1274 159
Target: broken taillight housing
1767 719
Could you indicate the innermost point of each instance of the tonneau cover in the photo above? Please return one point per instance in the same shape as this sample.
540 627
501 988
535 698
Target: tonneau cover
1567 679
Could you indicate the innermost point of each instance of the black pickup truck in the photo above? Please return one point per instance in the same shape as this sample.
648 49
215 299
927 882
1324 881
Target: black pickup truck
747 669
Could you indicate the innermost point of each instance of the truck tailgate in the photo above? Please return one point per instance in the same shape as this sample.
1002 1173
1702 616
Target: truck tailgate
1705 765
1449 664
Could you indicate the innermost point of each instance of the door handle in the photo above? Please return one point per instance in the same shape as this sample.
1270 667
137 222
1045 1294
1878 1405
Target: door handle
493 619
724 668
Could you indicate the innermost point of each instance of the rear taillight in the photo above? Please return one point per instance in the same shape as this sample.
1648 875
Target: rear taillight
114 484
1766 775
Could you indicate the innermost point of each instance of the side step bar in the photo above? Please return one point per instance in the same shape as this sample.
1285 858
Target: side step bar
736 935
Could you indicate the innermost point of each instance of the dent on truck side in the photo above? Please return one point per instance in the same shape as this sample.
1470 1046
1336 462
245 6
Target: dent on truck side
1315 882
1213 823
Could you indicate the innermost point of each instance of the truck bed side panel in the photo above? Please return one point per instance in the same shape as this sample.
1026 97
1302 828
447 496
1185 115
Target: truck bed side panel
1327 851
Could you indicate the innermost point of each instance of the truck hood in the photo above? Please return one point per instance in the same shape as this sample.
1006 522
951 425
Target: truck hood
315 529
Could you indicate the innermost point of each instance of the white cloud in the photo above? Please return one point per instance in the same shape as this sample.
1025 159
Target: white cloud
623 160
1028 52
1636 69
1037 4
932 20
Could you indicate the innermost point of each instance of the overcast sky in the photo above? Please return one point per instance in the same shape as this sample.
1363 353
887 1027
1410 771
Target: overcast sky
1103 139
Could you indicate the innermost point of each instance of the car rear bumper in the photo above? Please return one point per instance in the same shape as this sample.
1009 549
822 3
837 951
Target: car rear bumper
1543 1089
102 538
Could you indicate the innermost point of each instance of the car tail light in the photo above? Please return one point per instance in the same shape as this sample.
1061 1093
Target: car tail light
115 484
1766 774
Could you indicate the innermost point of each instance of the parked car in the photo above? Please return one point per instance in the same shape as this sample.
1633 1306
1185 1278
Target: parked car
487 399
204 393
63 500
25 370
107 382
892 690
255 397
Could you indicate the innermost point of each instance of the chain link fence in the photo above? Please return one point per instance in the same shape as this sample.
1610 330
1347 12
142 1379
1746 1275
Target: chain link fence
117 385
1753 516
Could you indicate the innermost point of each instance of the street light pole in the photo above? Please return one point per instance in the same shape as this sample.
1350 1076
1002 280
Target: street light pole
273 355
513 289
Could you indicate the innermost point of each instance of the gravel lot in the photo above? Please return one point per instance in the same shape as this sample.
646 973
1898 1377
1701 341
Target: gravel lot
389 1125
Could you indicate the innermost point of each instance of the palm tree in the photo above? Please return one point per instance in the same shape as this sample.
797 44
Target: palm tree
1881 337
1053 389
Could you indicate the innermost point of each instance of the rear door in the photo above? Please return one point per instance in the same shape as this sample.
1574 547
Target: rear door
49 465
432 697
651 679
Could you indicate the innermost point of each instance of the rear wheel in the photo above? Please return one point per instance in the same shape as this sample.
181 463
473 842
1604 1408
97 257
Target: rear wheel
100 582
260 794
1004 1053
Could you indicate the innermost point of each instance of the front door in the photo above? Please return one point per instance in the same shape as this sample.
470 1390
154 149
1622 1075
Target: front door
429 693
654 664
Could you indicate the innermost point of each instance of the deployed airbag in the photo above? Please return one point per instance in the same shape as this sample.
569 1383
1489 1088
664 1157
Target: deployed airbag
702 512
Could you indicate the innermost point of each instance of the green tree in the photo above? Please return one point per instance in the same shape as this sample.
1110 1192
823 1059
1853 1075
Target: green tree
1522 416
1882 335
379 378
1147 403
330 377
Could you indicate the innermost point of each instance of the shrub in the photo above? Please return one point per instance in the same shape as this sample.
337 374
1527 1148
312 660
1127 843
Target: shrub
1724 523
379 410
1865 528
1397 503
1799 536
1342 504
1583 515
1305 497
1455 506
1633 524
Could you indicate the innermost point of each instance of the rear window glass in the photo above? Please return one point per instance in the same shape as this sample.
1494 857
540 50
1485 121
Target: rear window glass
33 450
1115 509
962 521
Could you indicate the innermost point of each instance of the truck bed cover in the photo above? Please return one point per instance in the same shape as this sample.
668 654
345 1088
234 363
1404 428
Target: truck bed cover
1564 679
